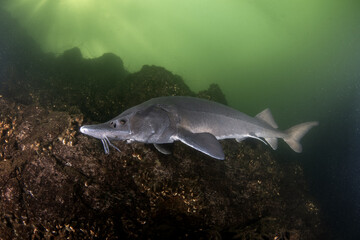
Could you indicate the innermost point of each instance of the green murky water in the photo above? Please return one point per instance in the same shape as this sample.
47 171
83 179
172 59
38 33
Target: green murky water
300 58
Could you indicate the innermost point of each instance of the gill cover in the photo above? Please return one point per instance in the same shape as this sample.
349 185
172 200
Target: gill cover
149 125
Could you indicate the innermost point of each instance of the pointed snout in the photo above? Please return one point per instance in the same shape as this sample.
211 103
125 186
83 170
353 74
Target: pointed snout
87 129
103 130
96 131
83 129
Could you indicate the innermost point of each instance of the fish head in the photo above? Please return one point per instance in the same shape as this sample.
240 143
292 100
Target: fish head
117 128
150 125
142 125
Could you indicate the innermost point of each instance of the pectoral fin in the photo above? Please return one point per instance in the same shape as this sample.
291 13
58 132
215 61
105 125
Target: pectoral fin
203 142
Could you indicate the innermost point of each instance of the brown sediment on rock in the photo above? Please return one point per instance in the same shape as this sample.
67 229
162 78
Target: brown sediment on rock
57 183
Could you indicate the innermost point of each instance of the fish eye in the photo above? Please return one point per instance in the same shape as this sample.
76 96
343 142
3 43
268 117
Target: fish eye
122 121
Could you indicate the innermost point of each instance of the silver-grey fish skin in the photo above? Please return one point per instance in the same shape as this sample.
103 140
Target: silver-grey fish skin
196 122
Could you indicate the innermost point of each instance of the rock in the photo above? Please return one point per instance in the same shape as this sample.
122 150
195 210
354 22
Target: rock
153 81
58 184
213 93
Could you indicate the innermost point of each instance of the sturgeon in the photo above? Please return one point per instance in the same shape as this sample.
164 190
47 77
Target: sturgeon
196 122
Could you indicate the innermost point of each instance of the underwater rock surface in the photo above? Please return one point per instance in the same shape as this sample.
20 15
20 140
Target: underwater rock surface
56 183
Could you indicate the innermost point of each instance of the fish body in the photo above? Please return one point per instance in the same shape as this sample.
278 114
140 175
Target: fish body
199 123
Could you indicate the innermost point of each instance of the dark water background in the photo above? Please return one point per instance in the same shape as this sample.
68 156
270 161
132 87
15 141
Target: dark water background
300 60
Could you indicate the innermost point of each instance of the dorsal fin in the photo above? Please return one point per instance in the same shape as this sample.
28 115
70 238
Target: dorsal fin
267 117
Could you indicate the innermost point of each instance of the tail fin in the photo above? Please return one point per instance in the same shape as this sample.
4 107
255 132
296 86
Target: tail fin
295 134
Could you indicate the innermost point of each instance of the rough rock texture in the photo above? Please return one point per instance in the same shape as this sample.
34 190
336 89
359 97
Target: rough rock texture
58 184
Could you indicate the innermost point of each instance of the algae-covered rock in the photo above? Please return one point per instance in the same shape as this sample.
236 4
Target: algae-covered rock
56 183
153 81
59 184
213 93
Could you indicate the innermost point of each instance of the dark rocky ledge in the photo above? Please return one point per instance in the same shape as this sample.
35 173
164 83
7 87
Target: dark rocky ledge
56 183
